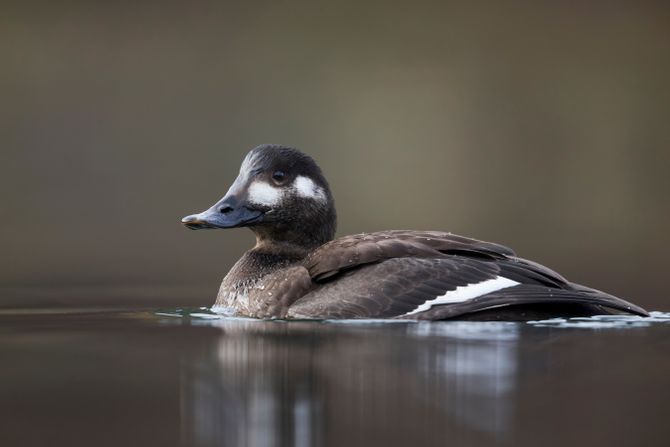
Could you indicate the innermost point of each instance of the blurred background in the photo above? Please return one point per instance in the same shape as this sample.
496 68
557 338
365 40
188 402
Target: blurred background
540 125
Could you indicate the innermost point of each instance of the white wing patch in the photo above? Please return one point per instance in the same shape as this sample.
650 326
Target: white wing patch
262 193
306 188
467 292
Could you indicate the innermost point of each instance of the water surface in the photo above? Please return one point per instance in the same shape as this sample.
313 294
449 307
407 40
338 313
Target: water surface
187 377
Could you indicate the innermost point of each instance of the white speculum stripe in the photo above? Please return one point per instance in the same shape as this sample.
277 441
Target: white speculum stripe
467 292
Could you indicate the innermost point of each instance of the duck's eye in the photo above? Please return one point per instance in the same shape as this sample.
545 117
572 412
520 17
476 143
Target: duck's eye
278 176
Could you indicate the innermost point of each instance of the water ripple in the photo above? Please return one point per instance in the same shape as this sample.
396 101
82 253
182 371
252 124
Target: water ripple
462 328
605 321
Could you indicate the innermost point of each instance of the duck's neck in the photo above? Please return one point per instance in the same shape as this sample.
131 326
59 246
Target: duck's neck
265 258
291 239
307 228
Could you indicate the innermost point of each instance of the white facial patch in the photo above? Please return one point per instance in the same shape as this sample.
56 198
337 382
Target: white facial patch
305 187
261 193
467 292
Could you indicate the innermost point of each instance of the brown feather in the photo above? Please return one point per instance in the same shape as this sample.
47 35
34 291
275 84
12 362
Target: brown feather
360 249
282 289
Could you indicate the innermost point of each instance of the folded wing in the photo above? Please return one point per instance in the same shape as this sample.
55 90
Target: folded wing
432 275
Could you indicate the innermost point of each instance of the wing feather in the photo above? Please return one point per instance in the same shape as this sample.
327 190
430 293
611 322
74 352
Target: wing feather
392 287
357 250
400 274
529 294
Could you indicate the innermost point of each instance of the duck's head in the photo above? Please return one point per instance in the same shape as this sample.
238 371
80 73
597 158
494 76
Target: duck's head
280 194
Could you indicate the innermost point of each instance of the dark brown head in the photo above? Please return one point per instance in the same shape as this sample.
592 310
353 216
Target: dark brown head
280 194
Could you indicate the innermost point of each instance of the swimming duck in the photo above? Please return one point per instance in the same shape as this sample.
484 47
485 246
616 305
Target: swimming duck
297 270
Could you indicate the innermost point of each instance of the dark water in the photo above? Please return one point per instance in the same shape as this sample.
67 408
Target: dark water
121 378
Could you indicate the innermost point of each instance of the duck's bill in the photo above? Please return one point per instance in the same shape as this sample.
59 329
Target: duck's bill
212 219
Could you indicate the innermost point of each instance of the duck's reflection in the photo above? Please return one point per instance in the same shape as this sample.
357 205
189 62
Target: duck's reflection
301 384
478 366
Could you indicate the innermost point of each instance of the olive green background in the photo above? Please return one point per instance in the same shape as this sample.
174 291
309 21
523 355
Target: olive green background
540 125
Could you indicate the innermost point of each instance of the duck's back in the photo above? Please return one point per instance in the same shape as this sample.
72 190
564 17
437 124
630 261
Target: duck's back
436 275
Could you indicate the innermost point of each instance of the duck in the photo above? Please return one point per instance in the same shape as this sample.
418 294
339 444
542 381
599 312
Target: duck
298 270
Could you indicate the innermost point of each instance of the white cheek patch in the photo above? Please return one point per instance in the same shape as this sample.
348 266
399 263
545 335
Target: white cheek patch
306 188
467 292
261 193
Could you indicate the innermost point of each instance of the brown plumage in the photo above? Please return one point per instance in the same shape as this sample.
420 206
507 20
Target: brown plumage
296 270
